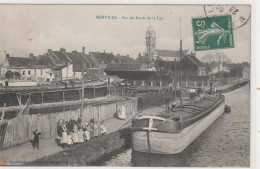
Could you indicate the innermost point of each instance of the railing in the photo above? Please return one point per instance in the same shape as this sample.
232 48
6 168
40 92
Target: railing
122 91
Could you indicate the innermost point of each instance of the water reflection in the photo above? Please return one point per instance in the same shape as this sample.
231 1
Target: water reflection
184 159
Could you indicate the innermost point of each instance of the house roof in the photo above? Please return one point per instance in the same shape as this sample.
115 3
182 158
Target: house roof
195 60
63 58
94 62
95 72
124 59
21 62
45 60
143 59
170 53
124 67
105 57
60 59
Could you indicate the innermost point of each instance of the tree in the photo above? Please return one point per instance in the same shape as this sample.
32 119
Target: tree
17 75
165 69
218 57
236 71
9 74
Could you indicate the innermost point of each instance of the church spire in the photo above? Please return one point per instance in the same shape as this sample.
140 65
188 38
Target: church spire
150 38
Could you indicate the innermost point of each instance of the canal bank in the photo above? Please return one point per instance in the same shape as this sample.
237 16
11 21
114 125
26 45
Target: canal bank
226 143
25 154
97 150
50 151
117 143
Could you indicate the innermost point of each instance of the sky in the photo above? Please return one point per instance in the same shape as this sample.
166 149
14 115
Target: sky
36 28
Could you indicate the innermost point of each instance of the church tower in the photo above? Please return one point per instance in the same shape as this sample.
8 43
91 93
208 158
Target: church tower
150 38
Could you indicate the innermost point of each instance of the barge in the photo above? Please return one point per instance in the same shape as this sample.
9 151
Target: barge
171 132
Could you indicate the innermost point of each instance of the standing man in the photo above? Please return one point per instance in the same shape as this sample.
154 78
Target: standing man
167 102
36 142
173 105
211 84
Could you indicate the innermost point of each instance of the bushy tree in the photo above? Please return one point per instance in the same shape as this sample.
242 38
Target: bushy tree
236 71
17 75
9 74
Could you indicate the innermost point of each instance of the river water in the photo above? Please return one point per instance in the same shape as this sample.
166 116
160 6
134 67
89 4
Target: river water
226 143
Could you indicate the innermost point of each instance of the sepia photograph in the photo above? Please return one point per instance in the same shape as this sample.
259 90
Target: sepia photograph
125 85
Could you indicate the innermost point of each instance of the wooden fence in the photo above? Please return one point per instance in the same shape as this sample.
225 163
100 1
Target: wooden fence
20 129
51 96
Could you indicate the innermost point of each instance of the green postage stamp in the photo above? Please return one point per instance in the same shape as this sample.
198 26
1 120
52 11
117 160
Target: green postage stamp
213 33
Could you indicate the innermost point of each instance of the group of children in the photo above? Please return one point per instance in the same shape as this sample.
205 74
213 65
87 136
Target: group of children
74 132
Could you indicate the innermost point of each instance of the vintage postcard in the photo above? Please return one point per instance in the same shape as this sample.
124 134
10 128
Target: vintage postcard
125 85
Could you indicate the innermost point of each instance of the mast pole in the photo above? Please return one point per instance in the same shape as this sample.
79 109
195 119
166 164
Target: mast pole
180 67
175 79
82 88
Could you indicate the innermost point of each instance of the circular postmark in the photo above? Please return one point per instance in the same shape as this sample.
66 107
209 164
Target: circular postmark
240 14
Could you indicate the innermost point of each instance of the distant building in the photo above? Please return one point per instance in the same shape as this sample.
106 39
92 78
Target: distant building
130 72
218 67
170 55
126 67
124 59
152 53
27 68
104 58
144 60
246 73
150 42
67 65
193 69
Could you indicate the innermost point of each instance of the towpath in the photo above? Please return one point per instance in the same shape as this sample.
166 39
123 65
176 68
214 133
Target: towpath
23 153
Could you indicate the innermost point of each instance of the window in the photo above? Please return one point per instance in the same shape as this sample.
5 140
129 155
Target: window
41 72
29 72
35 72
24 72
50 74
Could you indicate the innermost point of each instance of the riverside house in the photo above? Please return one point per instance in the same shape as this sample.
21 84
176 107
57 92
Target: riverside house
67 65
27 68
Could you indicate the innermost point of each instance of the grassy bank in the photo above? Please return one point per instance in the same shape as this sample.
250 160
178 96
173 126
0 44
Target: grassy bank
233 87
92 152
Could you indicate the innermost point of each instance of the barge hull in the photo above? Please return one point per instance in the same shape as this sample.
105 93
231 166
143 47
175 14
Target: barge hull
173 143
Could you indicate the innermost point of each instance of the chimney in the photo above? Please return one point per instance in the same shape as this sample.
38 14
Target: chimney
83 49
31 55
49 50
7 55
104 51
63 50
